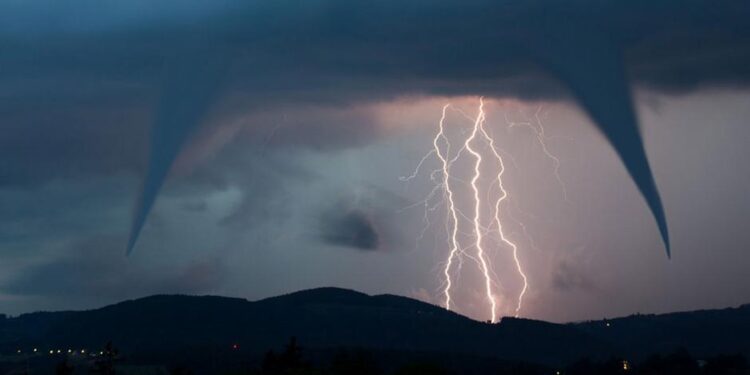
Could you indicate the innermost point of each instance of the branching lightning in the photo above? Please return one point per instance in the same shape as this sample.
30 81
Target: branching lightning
538 129
453 219
481 145
478 123
498 222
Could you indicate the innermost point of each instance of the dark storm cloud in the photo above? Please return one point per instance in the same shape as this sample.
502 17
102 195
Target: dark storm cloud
265 176
195 206
363 221
350 229
90 268
284 53
313 127
570 277
48 144
669 44
87 64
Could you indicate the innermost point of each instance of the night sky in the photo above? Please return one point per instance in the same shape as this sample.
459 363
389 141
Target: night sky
262 148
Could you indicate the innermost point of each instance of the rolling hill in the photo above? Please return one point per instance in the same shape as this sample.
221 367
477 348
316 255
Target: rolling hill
328 318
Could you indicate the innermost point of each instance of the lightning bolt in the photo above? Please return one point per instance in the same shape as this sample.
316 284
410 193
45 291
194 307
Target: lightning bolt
445 181
538 130
498 202
446 165
478 210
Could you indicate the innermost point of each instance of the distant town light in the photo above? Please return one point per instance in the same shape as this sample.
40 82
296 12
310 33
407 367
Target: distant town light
51 351
608 324
625 365
83 351
59 351
19 350
34 350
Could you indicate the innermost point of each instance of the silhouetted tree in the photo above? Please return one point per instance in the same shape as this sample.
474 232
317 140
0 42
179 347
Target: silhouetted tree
290 361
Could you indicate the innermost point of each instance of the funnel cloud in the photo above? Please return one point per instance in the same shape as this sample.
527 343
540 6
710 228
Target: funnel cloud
240 56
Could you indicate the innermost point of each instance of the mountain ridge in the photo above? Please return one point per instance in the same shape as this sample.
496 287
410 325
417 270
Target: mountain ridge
326 289
326 318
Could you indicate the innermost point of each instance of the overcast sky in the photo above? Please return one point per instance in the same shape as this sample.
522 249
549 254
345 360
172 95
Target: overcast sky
283 133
